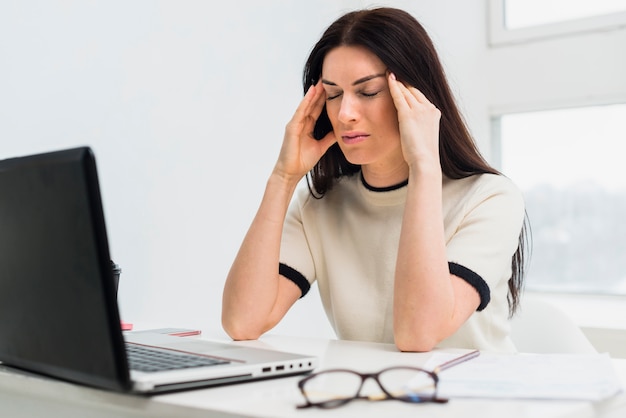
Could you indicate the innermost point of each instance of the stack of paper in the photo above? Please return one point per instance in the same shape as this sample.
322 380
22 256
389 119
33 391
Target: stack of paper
529 376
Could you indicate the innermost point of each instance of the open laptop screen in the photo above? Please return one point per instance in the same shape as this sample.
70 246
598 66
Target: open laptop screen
58 311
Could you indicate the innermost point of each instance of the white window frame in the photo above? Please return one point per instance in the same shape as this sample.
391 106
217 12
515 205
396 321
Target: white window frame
499 34
602 317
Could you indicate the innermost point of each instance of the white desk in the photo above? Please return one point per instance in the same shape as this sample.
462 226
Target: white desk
26 396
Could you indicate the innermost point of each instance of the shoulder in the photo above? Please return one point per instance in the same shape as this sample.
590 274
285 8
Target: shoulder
491 196
480 187
343 187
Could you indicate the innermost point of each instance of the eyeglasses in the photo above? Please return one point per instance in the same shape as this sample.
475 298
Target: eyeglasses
336 387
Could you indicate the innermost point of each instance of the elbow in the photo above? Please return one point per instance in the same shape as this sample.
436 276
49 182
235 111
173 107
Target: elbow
238 331
415 345
415 339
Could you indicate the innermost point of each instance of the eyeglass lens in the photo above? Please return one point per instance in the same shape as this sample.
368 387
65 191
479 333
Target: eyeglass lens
332 386
408 384
336 387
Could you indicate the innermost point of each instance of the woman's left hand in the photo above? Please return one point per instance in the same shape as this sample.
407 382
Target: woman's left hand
419 124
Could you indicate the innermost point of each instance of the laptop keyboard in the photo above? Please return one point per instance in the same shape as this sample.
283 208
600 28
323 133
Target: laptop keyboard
147 359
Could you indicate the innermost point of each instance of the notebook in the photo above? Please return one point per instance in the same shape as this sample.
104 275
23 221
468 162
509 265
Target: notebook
58 307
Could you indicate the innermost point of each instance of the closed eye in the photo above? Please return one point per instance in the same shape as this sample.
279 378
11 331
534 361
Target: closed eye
333 96
330 96
370 94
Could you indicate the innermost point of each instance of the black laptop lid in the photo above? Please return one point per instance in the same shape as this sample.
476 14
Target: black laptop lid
58 310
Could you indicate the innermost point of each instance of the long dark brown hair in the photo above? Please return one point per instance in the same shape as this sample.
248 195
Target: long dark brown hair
403 45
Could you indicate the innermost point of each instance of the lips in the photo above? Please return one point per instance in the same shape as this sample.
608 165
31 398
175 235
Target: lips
350 138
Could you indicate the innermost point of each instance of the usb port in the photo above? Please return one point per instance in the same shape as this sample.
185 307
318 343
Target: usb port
266 369
279 368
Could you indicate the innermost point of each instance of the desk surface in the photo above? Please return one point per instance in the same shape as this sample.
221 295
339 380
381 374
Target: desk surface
28 396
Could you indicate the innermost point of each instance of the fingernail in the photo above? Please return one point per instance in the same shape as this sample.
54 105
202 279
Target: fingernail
392 76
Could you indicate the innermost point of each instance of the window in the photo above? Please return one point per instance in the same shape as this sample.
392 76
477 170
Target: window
525 13
515 21
569 165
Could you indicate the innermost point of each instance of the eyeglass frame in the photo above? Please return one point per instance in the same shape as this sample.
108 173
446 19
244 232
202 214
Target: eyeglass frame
335 403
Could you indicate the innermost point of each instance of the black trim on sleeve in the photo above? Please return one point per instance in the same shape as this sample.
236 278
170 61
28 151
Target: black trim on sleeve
475 280
296 277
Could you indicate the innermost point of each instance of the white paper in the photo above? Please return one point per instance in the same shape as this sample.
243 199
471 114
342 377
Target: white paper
529 376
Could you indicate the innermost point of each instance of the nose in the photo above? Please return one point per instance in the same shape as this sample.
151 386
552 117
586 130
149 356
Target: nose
348 111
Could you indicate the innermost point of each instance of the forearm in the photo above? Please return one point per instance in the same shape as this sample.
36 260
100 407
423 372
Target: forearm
252 285
255 298
423 293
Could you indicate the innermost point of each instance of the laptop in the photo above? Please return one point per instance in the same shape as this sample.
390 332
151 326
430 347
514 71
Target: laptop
58 308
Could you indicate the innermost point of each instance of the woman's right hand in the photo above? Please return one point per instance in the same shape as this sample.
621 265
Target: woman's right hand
300 150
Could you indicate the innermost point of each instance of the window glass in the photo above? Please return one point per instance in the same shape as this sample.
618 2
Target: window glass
570 166
525 13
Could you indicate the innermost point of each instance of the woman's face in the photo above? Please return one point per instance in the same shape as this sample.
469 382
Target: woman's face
360 107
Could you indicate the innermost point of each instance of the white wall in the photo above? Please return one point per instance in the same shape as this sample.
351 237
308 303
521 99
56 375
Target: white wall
184 103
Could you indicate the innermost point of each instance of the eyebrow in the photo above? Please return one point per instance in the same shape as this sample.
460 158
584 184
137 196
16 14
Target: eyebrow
359 81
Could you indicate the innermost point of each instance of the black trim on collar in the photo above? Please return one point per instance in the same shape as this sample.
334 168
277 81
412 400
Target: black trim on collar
475 281
296 277
383 189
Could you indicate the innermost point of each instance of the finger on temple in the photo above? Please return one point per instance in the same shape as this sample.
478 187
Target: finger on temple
396 92
318 102
306 103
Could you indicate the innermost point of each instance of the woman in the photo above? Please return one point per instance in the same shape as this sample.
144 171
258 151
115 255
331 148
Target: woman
412 237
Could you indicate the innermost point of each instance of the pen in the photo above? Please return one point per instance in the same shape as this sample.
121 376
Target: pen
458 360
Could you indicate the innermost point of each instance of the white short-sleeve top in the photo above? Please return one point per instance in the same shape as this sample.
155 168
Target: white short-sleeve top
347 241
